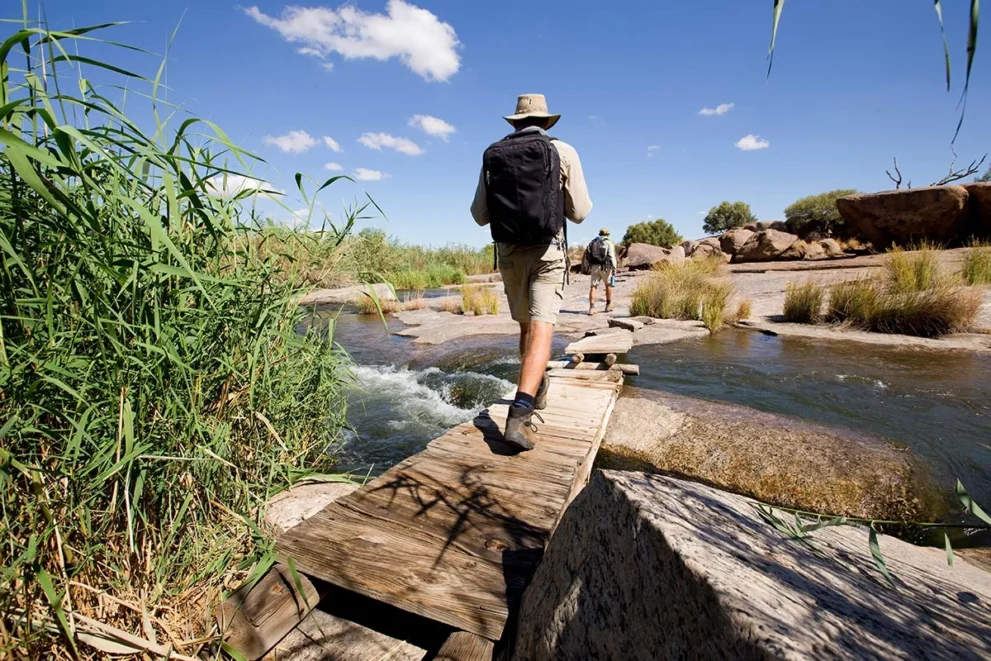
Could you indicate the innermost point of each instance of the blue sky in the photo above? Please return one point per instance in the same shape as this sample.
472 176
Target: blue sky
854 84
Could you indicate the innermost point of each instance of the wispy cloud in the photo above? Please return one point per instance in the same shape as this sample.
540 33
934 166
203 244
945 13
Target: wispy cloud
721 109
377 141
333 167
752 143
332 144
651 149
234 184
363 174
420 40
434 126
295 142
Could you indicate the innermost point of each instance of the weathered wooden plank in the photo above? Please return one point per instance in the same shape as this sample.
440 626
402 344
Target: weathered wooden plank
619 343
256 617
464 646
453 533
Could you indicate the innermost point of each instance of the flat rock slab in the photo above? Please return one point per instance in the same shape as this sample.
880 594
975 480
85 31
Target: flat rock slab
347 294
665 331
650 567
626 324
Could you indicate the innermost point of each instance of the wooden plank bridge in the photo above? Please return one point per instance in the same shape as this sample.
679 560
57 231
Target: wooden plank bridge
454 533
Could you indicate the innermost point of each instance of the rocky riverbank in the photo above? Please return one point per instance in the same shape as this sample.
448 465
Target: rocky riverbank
773 458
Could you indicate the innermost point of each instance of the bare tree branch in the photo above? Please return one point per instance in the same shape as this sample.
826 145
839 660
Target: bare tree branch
956 175
898 181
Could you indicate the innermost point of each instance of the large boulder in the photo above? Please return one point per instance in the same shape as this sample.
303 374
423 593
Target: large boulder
904 217
709 247
651 567
731 242
676 256
777 459
689 247
803 250
779 225
979 201
765 246
643 255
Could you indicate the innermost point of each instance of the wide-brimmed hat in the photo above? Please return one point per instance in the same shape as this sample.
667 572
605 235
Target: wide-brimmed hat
532 105
603 232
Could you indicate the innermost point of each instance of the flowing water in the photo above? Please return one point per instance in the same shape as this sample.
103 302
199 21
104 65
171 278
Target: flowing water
936 403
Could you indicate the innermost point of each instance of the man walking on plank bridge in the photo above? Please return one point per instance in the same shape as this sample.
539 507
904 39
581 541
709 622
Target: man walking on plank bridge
529 185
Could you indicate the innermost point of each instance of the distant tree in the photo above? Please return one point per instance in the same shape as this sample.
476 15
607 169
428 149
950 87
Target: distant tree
657 233
727 216
986 176
816 214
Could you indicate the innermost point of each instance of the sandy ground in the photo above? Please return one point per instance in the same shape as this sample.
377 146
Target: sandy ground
763 284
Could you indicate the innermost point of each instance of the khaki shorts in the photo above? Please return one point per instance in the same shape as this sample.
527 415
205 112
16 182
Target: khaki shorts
534 279
600 273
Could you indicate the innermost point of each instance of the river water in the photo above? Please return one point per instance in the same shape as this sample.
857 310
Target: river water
936 403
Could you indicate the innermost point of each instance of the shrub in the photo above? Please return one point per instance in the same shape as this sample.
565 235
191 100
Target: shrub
479 299
451 304
367 305
816 215
930 313
743 310
414 303
853 302
657 233
727 216
682 292
916 271
803 302
977 264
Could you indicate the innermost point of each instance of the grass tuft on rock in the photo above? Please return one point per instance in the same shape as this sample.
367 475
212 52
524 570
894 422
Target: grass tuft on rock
977 264
803 302
684 292
479 299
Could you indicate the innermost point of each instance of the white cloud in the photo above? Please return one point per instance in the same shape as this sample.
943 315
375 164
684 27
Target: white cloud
330 142
295 142
421 41
363 174
232 184
434 126
752 143
402 145
721 109
651 149
701 213
333 167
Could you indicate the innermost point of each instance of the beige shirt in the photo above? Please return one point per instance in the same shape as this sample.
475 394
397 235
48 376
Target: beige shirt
577 203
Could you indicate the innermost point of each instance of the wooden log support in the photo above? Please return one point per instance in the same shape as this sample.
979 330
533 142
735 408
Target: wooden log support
464 646
255 618
577 358
610 360
625 368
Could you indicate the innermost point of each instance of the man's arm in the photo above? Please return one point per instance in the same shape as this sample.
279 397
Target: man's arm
612 255
577 203
479 206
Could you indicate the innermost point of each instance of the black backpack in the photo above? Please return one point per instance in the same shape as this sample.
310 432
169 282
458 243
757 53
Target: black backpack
597 252
523 189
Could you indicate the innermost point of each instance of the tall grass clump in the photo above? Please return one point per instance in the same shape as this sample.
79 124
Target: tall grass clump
915 271
803 302
479 299
853 302
977 264
684 291
154 389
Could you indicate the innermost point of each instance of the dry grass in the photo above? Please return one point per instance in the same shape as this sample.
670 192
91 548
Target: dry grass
684 292
803 302
743 310
479 299
414 303
977 264
367 305
451 304
853 302
916 271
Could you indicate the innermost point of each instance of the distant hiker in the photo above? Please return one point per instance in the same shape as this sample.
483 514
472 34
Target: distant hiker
600 262
529 184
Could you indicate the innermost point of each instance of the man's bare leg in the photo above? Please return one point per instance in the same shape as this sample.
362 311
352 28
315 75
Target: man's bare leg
535 351
608 297
591 298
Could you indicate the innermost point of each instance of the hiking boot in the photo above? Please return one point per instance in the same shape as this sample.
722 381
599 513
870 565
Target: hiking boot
519 428
610 306
540 400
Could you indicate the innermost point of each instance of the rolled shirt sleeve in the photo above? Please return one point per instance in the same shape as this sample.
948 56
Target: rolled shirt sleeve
577 203
479 206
